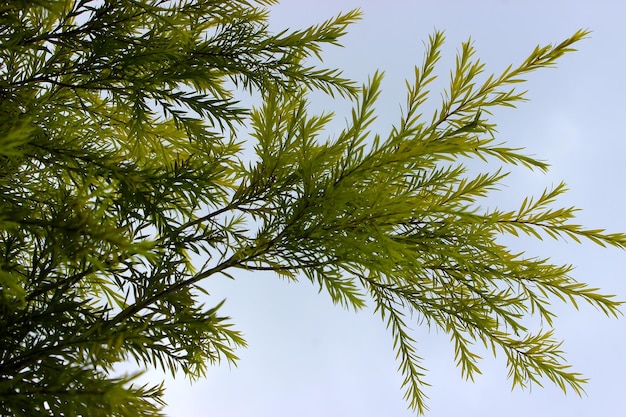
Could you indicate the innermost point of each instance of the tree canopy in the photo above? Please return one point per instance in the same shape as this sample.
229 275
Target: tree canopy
126 182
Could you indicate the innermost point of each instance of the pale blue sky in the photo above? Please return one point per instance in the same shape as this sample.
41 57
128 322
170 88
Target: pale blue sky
307 357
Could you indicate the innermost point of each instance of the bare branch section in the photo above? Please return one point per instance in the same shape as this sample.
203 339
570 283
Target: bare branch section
123 188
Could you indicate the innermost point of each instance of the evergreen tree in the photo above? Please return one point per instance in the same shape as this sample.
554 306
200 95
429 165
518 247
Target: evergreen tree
121 165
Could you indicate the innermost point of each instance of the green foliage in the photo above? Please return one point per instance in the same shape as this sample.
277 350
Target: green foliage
121 147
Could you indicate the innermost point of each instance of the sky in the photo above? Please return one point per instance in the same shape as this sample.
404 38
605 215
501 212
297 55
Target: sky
307 357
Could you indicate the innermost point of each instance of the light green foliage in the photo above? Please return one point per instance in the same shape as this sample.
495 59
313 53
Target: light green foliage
121 148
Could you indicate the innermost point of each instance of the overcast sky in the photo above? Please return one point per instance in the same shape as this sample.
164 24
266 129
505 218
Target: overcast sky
307 357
